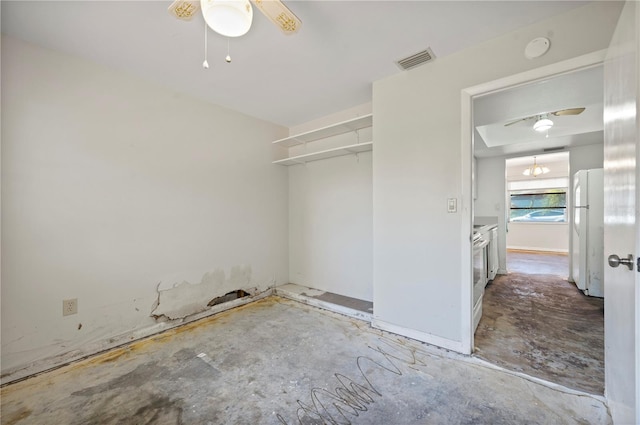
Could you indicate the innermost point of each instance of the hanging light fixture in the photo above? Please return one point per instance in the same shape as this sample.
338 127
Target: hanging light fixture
535 170
542 124
231 18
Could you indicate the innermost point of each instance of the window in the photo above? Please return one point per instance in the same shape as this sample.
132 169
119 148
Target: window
539 201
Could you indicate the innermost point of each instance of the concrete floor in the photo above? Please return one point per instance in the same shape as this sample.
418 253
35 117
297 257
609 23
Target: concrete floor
278 361
536 322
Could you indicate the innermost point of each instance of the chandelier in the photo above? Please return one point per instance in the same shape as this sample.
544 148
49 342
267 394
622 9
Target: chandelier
535 170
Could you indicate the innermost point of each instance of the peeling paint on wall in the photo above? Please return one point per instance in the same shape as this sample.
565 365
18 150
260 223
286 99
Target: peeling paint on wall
185 298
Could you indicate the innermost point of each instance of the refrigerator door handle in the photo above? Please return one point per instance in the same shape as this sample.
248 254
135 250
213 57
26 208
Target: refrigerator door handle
575 212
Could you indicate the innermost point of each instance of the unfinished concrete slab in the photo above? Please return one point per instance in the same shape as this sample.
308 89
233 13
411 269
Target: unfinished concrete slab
543 326
536 322
278 361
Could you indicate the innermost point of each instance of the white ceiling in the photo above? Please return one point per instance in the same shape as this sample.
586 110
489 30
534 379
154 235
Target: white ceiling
584 88
558 164
329 66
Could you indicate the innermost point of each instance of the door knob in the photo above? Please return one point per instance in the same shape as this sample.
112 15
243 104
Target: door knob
615 261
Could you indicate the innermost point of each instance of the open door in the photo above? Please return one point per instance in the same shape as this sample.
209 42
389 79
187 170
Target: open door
622 225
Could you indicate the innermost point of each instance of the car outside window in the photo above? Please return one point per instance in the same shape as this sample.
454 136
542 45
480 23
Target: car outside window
544 206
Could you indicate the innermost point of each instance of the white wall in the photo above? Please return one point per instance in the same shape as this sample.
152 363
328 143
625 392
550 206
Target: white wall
490 201
112 187
331 214
418 164
552 237
585 158
330 226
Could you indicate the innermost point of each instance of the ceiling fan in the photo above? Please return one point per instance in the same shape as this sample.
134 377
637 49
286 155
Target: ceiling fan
542 120
232 18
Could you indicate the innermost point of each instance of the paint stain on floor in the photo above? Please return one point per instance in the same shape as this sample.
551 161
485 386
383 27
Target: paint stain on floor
545 327
16 416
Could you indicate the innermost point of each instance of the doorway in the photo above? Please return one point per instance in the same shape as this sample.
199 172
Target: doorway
534 320
522 291
538 198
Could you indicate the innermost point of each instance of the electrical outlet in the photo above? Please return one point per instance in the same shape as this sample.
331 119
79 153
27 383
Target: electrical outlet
69 307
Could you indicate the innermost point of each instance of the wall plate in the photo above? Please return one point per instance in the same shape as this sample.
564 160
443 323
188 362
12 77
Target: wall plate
69 307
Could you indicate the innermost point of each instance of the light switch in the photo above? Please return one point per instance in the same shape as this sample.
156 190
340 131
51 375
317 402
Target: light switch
452 205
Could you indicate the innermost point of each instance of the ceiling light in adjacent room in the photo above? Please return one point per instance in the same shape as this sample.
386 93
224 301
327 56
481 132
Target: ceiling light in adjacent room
535 170
231 18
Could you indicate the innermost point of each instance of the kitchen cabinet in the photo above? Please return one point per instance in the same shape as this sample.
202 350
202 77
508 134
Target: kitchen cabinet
352 125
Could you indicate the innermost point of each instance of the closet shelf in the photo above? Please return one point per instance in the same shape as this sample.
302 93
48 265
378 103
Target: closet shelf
328 131
342 150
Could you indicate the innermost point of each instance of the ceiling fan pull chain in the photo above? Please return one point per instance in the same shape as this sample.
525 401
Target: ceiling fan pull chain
205 64
228 58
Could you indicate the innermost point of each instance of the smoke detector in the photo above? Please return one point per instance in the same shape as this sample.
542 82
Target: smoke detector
537 47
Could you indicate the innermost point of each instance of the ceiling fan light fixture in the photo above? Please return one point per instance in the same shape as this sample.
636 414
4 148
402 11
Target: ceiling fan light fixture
230 18
542 124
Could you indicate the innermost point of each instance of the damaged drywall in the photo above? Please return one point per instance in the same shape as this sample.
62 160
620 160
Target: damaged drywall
229 296
185 298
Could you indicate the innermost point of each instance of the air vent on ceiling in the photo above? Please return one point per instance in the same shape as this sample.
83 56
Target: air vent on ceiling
560 148
416 60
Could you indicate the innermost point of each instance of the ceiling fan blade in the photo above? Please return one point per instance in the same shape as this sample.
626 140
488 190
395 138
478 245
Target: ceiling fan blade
521 119
280 15
571 111
184 9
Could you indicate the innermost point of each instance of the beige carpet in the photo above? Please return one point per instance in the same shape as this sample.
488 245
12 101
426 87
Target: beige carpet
545 327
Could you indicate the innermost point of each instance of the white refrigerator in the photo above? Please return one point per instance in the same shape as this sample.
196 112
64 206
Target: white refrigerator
588 232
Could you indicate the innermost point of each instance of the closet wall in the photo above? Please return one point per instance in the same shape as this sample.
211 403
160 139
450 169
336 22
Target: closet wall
331 215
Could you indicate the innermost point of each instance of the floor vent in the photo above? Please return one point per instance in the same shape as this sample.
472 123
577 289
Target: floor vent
416 60
229 296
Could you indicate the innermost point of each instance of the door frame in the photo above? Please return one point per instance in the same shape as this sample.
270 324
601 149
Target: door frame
467 142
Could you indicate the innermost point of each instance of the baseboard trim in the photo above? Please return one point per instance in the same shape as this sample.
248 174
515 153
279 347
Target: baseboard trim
48 364
535 248
438 341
